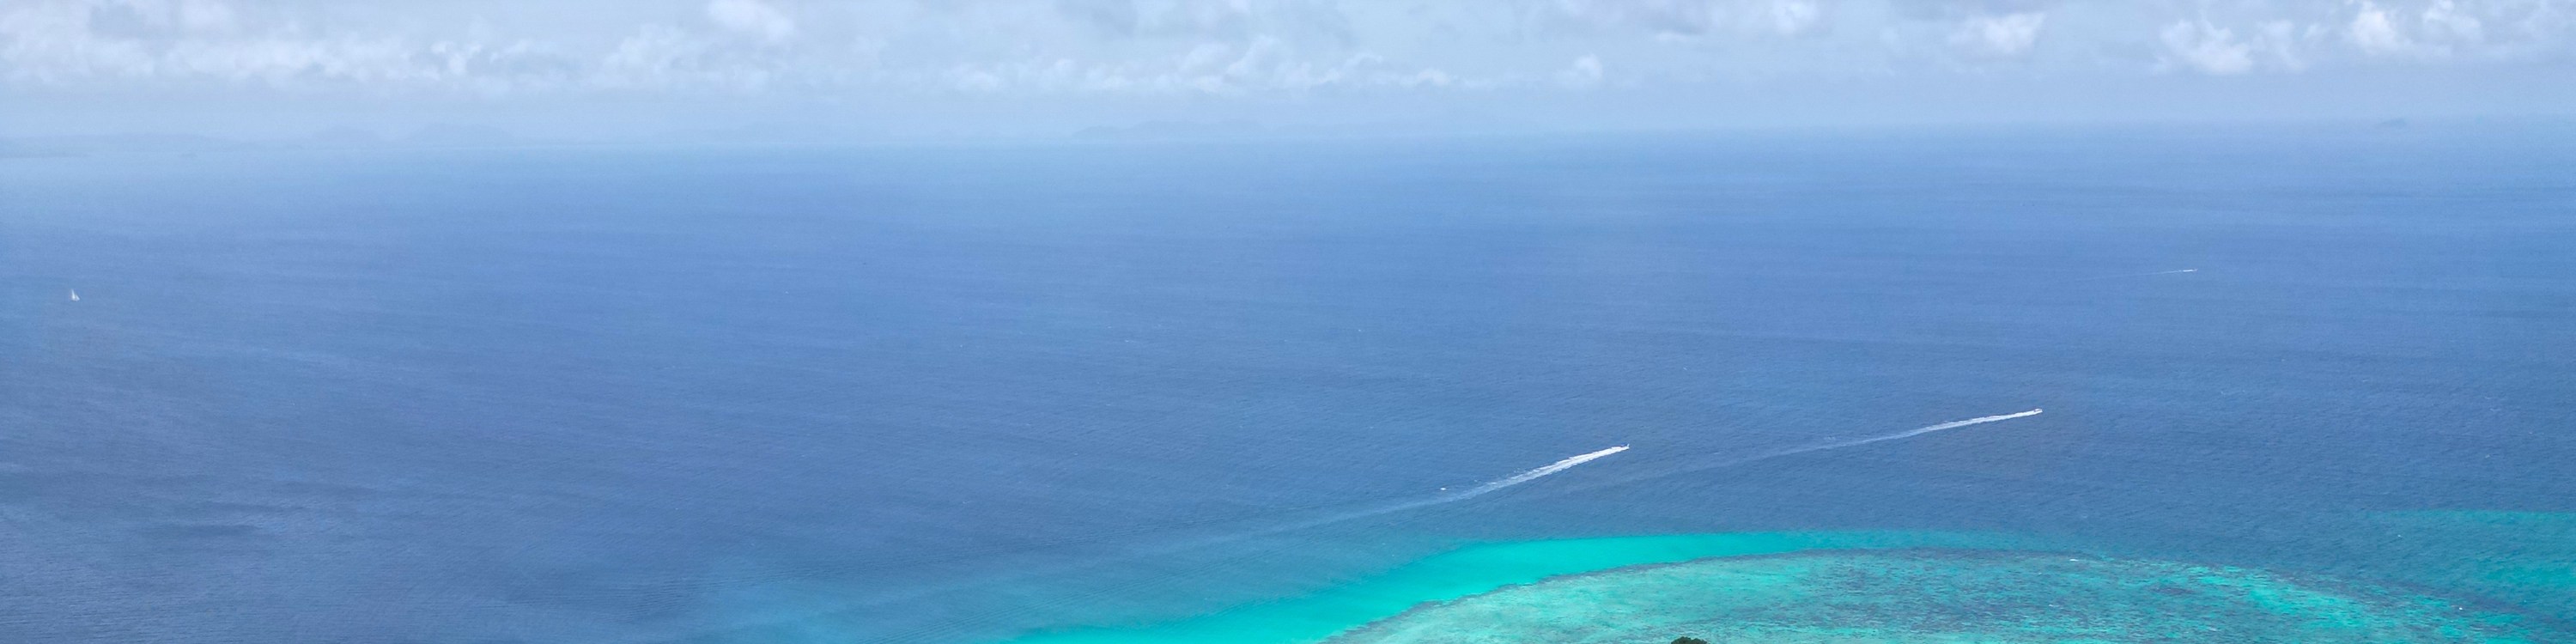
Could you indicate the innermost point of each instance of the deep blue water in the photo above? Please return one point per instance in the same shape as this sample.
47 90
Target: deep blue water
953 393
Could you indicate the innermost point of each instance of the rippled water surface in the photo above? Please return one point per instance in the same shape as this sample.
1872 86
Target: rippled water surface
1112 393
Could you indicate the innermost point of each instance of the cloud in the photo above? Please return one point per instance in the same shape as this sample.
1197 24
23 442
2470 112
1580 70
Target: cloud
192 43
1215 47
2375 32
1687 18
1998 36
1791 17
2277 46
752 17
2445 17
2442 28
1264 65
1115 18
1584 72
2207 48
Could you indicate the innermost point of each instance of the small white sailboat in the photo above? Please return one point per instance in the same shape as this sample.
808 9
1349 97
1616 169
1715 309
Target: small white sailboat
75 295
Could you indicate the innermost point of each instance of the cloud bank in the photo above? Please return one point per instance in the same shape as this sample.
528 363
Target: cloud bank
809 51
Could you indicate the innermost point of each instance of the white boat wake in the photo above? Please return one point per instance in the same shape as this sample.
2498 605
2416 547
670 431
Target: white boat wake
1792 451
1919 431
1534 474
1569 462
1436 499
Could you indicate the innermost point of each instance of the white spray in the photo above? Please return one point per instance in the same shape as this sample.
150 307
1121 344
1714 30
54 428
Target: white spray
1919 431
1791 451
1533 475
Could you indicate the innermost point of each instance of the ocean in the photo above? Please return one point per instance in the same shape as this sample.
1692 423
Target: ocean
965 394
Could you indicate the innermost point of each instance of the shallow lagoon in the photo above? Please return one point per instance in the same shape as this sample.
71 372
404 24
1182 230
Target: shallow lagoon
2486 577
1479 569
1947 597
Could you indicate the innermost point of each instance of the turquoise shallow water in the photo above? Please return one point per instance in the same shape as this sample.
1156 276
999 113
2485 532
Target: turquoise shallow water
2525 559
2429 576
1479 569
1949 597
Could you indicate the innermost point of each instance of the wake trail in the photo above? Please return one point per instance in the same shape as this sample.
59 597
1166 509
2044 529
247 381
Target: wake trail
1534 474
1919 431
1793 451
1489 487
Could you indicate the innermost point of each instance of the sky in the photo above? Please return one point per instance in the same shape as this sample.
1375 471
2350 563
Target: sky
896 68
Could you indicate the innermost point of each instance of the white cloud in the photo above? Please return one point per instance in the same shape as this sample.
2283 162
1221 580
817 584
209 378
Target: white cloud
2446 18
659 57
1584 72
198 42
2447 27
2005 35
1792 17
2375 32
2286 41
2207 48
1225 69
1687 18
1222 47
2266 46
206 16
752 17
